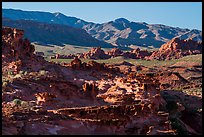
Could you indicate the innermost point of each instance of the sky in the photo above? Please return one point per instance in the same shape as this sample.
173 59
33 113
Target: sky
175 14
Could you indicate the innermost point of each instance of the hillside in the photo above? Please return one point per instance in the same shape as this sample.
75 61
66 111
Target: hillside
56 34
119 32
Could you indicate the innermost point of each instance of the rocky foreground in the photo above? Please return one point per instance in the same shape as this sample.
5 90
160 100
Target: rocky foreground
45 98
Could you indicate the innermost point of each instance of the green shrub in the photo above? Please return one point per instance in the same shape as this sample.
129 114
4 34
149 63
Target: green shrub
17 101
10 72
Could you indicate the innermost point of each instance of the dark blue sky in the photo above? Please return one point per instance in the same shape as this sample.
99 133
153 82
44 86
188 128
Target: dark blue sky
176 14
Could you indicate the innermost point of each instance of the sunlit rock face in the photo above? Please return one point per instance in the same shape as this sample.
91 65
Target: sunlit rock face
177 48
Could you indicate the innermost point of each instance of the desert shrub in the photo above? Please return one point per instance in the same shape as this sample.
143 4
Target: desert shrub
23 72
17 101
10 73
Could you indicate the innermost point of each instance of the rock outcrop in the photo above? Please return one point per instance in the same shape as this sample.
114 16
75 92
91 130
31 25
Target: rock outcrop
98 53
95 53
136 54
18 53
177 48
90 98
114 52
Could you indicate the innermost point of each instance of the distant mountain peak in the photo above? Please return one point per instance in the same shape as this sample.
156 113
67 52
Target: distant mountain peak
119 32
58 14
121 20
195 31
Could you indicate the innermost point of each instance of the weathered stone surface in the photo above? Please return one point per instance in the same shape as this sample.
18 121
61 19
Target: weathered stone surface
95 53
177 48
114 52
18 53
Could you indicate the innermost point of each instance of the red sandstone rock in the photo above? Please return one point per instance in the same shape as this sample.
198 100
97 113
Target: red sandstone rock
17 52
98 53
95 53
177 48
79 97
114 52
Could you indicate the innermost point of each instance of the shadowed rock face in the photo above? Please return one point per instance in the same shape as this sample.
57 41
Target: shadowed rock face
177 48
54 34
79 98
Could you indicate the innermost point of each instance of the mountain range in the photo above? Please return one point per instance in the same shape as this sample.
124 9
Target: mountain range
54 34
71 30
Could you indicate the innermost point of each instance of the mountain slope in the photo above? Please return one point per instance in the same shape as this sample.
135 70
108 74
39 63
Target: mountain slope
194 34
123 32
54 33
46 17
119 32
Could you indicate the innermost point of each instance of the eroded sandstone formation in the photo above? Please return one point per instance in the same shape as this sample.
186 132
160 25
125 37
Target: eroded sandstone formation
87 98
98 53
95 53
177 48
18 53
114 52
